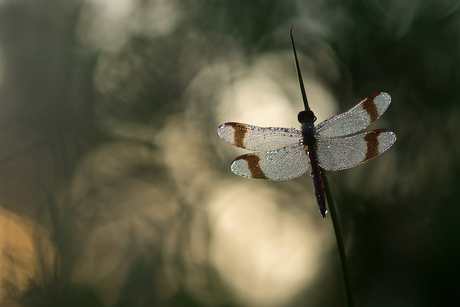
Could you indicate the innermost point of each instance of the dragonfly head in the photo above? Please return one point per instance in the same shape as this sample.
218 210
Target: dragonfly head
306 117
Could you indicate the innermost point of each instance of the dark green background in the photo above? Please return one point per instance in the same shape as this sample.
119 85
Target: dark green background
64 96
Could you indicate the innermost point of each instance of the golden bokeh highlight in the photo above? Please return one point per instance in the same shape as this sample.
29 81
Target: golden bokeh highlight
27 255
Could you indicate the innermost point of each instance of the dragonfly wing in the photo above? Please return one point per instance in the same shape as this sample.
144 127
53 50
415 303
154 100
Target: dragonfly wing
357 118
258 138
280 164
341 153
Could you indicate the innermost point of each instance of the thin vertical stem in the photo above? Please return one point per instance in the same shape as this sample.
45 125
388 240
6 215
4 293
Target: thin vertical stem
299 74
338 236
329 199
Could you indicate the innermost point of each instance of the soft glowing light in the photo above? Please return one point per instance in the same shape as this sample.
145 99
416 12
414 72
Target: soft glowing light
108 25
26 253
263 95
265 254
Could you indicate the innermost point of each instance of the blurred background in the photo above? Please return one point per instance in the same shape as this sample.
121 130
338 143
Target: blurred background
116 191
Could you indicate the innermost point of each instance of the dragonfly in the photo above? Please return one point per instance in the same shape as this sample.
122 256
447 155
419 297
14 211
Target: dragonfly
333 145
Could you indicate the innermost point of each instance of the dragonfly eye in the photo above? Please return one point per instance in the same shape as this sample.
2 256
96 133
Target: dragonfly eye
306 116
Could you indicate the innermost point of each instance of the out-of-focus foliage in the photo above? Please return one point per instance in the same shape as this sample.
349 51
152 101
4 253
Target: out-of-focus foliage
116 191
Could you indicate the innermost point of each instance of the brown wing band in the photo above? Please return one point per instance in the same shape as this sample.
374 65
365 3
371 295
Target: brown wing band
254 166
370 107
240 133
372 142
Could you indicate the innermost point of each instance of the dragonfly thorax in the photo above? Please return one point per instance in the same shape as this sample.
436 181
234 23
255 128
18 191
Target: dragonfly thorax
306 117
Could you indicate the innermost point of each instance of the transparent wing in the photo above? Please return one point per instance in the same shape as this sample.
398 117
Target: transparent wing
355 119
340 153
258 138
280 164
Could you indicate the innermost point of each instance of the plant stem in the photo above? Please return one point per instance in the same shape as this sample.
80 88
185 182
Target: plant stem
338 236
299 74
327 190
